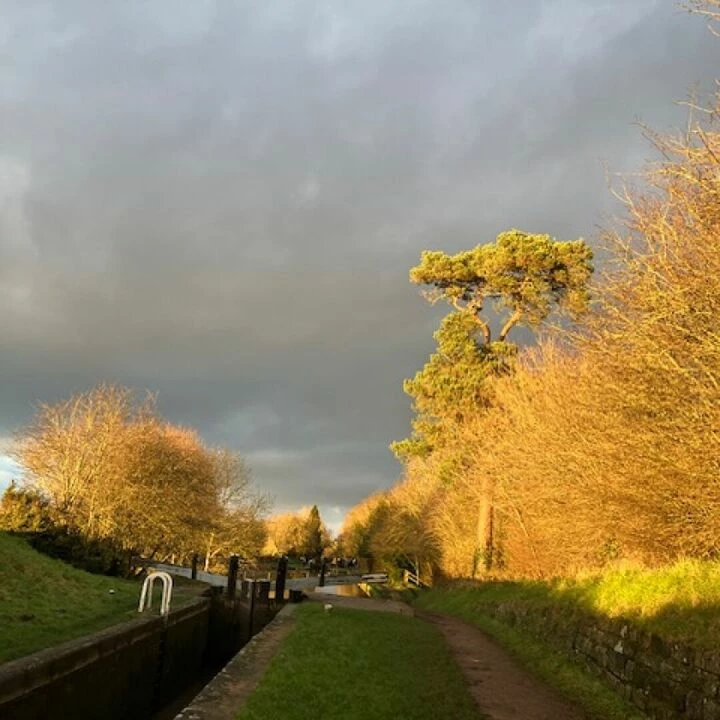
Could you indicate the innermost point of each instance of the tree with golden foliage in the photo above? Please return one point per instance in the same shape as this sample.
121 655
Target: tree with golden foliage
76 454
111 469
237 527
299 532
602 444
524 276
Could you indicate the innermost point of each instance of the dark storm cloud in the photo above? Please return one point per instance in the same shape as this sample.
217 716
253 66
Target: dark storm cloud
220 201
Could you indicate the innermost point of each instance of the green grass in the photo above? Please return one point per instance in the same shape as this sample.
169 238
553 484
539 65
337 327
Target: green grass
44 602
554 669
679 602
354 665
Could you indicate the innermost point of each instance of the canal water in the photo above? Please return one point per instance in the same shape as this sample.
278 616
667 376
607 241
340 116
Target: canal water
350 590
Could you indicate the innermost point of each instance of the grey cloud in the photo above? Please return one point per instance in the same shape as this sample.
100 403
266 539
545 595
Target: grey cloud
220 201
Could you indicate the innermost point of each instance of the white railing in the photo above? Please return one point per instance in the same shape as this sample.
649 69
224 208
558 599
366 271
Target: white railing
147 588
374 578
209 578
412 578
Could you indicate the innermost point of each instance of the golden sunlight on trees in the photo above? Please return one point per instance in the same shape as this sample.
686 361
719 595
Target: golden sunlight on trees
709 8
600 444
297 533
237 527
284 534
357 530
520 273
525 278
109 468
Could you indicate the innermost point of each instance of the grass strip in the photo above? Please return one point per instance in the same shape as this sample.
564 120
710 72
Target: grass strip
356 665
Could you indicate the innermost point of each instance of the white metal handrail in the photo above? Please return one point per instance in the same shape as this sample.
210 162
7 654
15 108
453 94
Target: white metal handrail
411 578
146 593
374 577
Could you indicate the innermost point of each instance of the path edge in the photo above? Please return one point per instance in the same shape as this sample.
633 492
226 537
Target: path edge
224 696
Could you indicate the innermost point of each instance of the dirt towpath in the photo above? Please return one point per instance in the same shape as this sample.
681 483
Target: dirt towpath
502 689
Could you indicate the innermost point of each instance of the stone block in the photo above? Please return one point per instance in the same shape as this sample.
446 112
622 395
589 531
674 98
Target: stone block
642 677
678 700
616 663
661 691
659 647
683 655
694 705
709 660
639 698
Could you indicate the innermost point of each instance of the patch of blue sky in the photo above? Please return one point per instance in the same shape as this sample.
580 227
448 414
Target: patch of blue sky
9 469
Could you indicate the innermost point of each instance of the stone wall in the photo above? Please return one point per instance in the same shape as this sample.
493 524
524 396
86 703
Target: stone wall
664 680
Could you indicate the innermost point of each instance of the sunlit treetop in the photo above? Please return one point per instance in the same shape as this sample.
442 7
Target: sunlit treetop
524 275
525 278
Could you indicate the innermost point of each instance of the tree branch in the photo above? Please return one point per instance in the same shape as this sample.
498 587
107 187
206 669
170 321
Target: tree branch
510 324
474 309
485 329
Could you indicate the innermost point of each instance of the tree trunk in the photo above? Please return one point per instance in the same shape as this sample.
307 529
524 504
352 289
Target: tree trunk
208 553
484 541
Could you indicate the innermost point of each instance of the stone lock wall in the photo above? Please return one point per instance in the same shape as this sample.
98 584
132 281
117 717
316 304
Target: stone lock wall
664 680
129 671
126 671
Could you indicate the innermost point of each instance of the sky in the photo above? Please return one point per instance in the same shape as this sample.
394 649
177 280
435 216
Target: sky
219 201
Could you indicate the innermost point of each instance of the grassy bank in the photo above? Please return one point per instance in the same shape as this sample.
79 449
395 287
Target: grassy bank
679 602
44 602
356 665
